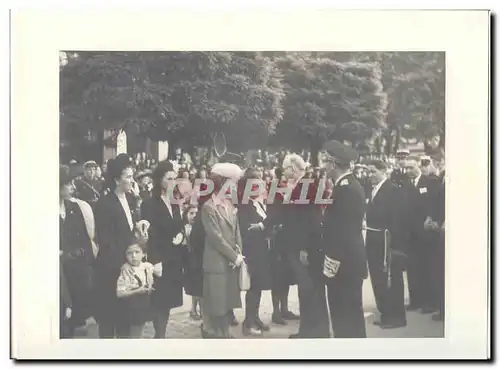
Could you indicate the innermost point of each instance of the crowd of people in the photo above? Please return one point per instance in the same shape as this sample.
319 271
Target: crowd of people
129 247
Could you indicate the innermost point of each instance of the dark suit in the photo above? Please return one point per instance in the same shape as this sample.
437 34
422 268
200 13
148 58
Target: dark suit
168 288
114 235
77 262
421 242
383 213
256 249
343 242
300 224
438 215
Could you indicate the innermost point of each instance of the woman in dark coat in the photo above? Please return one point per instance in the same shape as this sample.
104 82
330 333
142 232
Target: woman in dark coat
166 223
115 220
256 249
76 256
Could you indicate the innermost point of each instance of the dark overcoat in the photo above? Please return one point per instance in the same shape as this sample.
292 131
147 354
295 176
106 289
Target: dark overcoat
113 236
163 228
256 245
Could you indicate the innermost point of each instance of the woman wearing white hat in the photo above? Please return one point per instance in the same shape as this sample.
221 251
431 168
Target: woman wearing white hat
222 255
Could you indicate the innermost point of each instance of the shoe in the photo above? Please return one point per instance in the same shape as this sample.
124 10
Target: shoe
377 323
288 315
260 325
296 336
278 319
194 315
393 325
438 317
251 331
205 334
233 322
412 307
427 310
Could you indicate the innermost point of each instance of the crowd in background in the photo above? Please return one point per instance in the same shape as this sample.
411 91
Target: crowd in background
117 231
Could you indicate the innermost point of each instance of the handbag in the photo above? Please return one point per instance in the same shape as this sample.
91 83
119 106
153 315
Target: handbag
244 277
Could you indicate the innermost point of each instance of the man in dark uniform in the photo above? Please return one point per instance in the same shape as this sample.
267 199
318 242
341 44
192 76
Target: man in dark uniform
398 174
345 255
89 187
385 247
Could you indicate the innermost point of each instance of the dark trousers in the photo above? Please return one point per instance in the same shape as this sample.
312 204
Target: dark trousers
389 300
65 328
160 321
438 272
252 304
110 327
345 300
312 300
419 270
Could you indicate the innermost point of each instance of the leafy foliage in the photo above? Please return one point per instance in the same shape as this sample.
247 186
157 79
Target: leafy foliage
328 99
185 95
295 100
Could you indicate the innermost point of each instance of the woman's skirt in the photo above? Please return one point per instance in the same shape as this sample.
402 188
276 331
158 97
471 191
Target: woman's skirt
221 292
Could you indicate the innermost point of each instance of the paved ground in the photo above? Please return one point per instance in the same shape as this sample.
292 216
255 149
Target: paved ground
182 326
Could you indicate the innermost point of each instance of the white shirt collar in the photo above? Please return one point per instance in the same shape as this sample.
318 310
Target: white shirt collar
377 188
416 180
342 177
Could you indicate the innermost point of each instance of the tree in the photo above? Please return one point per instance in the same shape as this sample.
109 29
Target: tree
415 86
327 99
180 96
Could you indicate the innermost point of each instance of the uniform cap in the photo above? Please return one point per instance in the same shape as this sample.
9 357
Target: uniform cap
90 164
340 152
403 152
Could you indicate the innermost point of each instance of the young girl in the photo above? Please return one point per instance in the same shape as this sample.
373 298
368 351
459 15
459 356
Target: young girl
189 217
133 288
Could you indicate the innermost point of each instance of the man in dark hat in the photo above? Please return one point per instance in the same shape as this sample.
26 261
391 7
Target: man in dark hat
398 174
343 244
88 187
144 179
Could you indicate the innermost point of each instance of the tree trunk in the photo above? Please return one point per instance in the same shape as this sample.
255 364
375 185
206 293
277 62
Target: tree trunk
388 143
397 141
315 149
378 145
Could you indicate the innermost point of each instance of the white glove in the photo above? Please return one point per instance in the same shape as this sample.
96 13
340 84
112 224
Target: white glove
428 223
259 226
330 267
303 257
239 260
158 269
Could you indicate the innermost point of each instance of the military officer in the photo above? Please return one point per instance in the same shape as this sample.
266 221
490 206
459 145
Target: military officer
345 264
398 174
89 187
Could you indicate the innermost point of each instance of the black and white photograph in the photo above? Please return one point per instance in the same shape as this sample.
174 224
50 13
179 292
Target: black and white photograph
371 126
254 193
